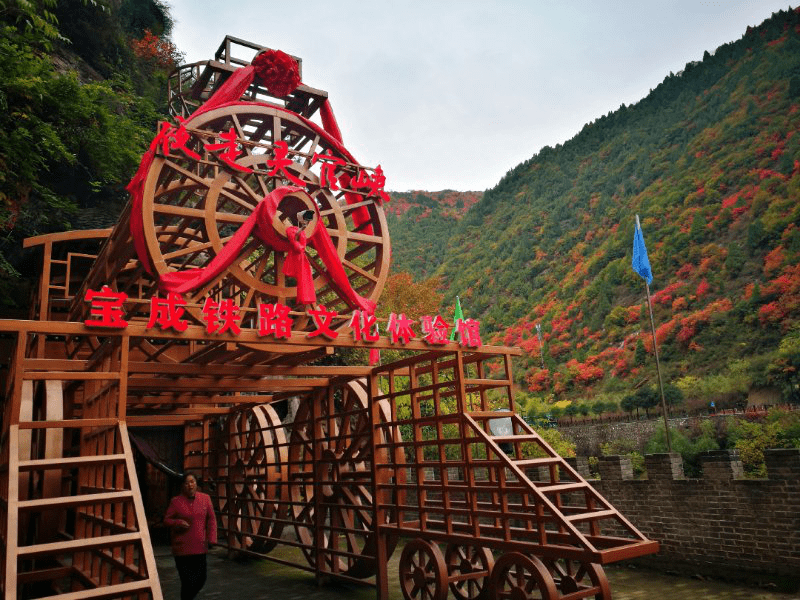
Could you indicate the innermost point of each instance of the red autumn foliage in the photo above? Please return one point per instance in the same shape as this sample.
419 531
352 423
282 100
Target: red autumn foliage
158 50
730 200
702 288
633 315
664 330
787 289
620 368
539 381
679 304
664 297
685 271
583 372
774 260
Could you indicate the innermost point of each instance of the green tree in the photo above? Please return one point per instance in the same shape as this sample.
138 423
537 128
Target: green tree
640 354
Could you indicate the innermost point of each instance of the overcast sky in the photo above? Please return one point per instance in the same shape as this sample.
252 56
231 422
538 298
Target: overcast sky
453 94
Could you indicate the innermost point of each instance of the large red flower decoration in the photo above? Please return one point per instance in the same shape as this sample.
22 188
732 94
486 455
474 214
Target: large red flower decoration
278 71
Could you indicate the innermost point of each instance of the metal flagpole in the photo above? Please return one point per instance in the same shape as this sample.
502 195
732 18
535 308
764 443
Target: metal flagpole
658 364
541 347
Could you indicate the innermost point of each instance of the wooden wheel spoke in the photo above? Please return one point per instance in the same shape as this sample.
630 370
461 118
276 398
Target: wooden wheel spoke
243 185
184 211
345 208
356 269
353 236
194 248
366 515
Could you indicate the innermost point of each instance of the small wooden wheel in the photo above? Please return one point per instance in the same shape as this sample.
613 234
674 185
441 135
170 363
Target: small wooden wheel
579 579
423 572
330 475
516 576
251 492
191 207
468 569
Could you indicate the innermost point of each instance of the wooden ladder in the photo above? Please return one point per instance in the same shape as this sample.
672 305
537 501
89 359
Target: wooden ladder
75 522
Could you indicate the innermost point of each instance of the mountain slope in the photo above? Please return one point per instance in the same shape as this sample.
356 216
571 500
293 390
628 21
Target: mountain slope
710 160
420 224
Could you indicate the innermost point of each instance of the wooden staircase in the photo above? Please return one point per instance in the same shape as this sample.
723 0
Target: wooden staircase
577 515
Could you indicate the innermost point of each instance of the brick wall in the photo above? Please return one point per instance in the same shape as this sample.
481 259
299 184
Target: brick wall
719 524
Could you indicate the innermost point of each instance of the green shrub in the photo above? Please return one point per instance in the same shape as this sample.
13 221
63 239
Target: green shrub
689 448
626 447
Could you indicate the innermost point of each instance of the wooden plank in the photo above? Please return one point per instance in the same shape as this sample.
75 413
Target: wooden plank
538 462
491 414
136 367
69 424
44 289
44 575
12 516
563 487
66 236
68 462
225 384
77 500
591 516
54 364
119 590
185 400
124 358
161 420
70 375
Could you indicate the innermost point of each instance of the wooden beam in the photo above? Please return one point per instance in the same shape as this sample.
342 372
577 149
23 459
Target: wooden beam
200 400
136 367
227 384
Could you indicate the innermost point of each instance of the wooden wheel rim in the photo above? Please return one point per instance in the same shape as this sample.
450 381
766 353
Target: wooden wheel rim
339 467
581 579
191 208
423 572
251 500
516 576
468 568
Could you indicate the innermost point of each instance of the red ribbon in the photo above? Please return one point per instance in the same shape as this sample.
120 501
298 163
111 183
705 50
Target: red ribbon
296 265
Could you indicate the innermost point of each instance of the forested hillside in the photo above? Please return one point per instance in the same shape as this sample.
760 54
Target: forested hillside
710 160
82 86
420 224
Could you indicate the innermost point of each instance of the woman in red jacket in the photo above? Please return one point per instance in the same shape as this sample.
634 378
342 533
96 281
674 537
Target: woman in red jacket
191 519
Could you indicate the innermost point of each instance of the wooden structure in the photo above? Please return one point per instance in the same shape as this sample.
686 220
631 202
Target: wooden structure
408 450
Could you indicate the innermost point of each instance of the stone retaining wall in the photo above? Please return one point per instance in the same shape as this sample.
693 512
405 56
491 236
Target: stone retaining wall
718 525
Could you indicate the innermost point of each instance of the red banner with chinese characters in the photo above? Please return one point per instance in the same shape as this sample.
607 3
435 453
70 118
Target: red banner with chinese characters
106 310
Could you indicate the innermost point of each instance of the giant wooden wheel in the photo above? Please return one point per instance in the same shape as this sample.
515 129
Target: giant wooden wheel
517 576
579 579
251 479
331 469
191 207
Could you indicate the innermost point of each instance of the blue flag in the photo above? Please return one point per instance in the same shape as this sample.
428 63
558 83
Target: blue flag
640 262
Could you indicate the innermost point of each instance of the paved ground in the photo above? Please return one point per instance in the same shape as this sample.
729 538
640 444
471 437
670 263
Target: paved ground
264 580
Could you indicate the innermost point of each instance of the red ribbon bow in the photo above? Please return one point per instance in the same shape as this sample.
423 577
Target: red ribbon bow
297 265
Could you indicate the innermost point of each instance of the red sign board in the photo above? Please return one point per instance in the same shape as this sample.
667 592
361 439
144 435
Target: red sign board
106 310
